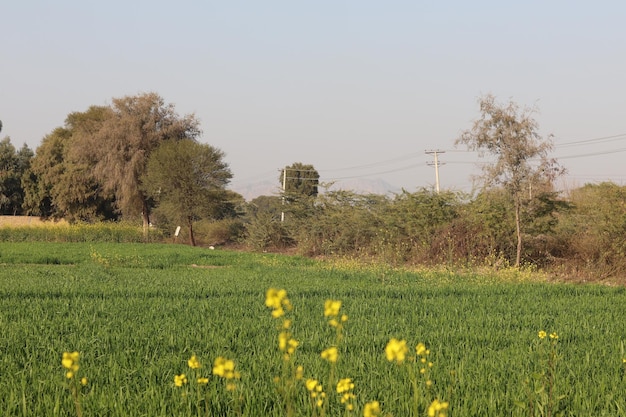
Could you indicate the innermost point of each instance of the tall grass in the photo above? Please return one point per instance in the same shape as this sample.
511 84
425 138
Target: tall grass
137 313
81 232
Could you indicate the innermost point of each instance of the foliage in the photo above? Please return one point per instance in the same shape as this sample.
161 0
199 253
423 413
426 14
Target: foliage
118 150
59 183
138 321
521 155
13 164
187 180
593 230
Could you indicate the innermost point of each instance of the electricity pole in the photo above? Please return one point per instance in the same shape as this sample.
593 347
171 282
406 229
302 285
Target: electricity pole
282 213
436 164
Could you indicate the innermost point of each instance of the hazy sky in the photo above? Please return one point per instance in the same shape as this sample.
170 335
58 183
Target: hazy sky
359 89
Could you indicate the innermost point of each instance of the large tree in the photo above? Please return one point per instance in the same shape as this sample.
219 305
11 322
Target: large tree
520 155
13 164
60 182
121 146
187 180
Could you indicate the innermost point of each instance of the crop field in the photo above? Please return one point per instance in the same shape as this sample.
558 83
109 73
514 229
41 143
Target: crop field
140 316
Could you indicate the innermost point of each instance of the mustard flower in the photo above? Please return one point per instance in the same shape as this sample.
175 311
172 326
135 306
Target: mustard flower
554 336
194 363
331 354
70 362
542 334
83 381
311 384
203 381
396 350
437 408
180 380
331 308
277 300
371 409
225 368
344 385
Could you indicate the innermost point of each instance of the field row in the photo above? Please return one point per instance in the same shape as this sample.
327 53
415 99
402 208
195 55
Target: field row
137 313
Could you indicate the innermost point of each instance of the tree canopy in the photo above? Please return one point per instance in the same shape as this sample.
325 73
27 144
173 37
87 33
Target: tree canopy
187 180
120 147
521 164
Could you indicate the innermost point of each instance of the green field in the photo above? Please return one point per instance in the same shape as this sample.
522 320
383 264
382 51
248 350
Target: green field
137 312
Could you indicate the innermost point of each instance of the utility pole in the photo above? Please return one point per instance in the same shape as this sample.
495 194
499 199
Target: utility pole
282 213
436 164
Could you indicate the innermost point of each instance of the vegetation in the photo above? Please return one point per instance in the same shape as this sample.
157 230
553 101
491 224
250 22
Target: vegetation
143 326
187 181
521 165
124 163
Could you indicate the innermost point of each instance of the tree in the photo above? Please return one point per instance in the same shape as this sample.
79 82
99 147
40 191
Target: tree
187 180
299 180
521 163
299 184
13 164
60 182
121 146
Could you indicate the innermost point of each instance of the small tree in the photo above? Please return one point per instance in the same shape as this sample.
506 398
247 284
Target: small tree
299 184
521 156
187 180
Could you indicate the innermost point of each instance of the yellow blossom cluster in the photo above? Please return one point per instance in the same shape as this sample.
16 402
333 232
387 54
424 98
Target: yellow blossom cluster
372 409
287 344
315 391
194 363
344 388
180 380
331 354
331 310
225 368
70 362
277 300
396 351
437 409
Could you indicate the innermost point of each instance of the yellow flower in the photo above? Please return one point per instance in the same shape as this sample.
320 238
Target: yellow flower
277 300
180 380
194 363
396 350
344 385
371 409
437 408
83 381
554 336
231 387
225 368
542 334
299 372
70 361
311 384
331 308
203 381
421 350
69 375
331 354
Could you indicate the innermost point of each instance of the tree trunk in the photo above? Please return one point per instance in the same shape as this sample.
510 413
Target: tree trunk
192 239
145 214
518 230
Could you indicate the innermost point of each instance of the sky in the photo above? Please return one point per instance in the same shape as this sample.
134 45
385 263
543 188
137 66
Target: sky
358 89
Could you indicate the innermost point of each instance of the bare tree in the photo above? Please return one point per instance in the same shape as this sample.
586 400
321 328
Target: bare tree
511 136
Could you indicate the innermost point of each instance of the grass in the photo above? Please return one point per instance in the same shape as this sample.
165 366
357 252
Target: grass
137 312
